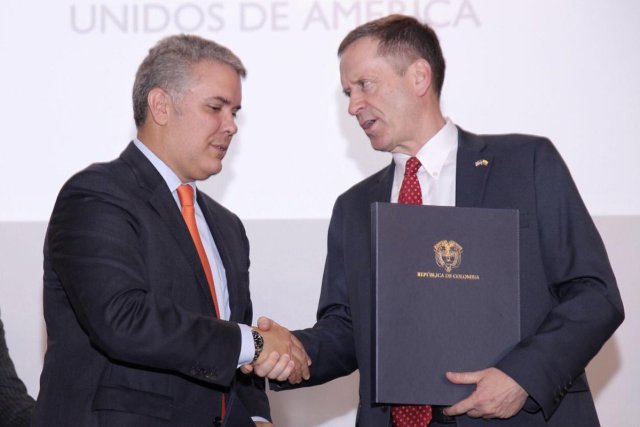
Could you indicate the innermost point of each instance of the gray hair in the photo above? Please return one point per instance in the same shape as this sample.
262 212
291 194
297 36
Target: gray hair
168 66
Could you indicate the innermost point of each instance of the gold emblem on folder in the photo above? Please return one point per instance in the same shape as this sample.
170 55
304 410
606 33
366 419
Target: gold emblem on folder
448 254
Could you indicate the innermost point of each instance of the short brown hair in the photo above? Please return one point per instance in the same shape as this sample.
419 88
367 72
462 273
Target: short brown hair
404 38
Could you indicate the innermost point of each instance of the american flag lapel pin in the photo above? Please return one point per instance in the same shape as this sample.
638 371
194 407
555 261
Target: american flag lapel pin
482 162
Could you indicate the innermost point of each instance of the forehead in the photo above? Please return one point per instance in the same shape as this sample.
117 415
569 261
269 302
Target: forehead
210 79
362 48
359 58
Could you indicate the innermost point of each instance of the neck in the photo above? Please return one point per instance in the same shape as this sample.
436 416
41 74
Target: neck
152 140
429 125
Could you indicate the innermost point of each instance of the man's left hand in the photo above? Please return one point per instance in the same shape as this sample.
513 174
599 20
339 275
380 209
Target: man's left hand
496 395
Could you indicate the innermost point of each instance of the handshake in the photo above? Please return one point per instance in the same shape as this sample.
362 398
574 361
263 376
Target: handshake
283 356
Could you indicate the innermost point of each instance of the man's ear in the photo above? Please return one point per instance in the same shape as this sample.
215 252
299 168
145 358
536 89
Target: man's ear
422 77
158 103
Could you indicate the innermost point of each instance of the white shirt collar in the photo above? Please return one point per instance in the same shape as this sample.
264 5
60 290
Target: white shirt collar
169 176
435 152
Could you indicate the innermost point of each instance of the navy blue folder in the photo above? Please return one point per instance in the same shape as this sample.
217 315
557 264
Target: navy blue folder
446 298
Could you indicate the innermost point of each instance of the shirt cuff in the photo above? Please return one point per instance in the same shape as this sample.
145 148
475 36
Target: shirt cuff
248 349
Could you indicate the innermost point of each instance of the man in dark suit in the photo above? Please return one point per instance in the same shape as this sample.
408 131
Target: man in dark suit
392 70
16 406
146 281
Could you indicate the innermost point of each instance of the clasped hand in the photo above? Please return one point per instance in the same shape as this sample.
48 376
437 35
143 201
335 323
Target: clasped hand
497 395
283 356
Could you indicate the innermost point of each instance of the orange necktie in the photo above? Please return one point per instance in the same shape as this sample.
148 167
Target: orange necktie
411 194
185 194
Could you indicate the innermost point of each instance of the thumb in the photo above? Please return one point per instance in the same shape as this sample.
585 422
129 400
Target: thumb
264 323
463 377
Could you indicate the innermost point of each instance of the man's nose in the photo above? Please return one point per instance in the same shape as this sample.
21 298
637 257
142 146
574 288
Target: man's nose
355 104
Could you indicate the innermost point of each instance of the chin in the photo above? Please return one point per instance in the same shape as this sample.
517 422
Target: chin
380 146
210 171
215 171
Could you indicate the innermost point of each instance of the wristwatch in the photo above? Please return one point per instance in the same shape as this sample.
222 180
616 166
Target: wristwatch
258 342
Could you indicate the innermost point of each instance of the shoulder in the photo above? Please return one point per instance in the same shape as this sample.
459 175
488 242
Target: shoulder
508 142
107 177
512 146
103 190
93 197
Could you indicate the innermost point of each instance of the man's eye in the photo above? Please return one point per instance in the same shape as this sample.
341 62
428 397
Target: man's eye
214 107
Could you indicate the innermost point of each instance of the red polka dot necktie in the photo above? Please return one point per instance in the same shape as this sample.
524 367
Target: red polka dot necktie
411 194
410 191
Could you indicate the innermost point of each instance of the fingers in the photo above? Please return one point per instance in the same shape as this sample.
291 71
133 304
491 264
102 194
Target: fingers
465 406
302 361
282 369
298 345
496 394
265 363
275 367
462 407
299 372
278 343
246 369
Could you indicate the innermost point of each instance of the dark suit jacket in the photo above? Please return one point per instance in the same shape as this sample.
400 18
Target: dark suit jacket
132 334
570 301
16 406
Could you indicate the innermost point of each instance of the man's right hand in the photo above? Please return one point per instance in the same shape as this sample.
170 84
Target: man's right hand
283 356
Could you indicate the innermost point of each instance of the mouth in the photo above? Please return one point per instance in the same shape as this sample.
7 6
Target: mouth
222 148
219 150
367 124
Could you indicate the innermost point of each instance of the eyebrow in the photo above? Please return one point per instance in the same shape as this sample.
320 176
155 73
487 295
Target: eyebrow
219 98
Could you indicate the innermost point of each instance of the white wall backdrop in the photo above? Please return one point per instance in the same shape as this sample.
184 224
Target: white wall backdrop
564 69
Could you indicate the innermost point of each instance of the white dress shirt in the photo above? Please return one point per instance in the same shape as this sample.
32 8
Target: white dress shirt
437 175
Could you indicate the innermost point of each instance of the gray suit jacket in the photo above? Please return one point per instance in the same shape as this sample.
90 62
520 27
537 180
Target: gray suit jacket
570 304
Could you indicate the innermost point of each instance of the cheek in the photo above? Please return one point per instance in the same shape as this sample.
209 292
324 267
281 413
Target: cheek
396 102
211 126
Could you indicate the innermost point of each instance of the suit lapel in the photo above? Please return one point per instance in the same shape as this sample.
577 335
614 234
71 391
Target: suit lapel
215 221
170 214
472 169
162 201
381 189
